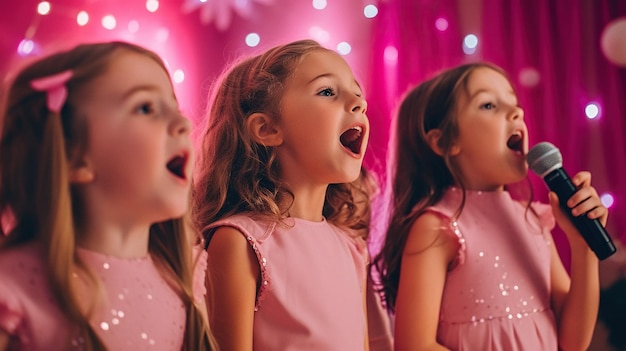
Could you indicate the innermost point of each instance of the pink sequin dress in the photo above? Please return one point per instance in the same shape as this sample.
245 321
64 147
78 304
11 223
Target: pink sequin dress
313 275
497 293
140 310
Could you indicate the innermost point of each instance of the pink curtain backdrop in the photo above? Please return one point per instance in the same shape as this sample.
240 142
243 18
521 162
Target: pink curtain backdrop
551 50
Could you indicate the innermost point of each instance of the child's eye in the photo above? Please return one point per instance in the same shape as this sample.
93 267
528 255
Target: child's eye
488 106
327 92
145 108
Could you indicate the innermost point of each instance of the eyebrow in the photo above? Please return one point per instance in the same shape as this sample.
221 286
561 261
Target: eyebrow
326 75
138 88
473 96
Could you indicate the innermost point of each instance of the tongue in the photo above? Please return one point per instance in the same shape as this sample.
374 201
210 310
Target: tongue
350 139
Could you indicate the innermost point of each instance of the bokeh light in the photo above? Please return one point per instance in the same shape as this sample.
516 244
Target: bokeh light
253 39
162 35
391 55
178 76
370 11
319 4
133 26
109 22
82 18
441 24
152 5
25 47
613 41
319 34
592 110
470 42
607 200
43 8
344 48
529 77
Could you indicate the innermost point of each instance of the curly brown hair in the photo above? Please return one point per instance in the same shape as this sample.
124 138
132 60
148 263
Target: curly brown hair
236 174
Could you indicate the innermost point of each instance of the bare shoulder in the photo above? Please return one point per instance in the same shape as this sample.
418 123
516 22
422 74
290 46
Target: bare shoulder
431 232
229 237
229 246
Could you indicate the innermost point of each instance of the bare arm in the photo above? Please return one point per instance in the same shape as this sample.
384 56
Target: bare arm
4 340
233 274
425 259
576 301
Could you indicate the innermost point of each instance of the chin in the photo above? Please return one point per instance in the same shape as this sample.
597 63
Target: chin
353 176
174 212
519 177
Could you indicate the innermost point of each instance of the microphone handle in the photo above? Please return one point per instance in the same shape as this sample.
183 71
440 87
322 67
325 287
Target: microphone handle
592 230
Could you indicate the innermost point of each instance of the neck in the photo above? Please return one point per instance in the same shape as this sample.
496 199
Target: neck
308 202
476 186
125 241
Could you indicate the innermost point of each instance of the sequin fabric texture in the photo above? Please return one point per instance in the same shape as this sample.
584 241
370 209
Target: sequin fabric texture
139 310
497 292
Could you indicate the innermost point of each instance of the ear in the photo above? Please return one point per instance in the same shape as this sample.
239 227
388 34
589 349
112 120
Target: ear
433 138
263 130
82 173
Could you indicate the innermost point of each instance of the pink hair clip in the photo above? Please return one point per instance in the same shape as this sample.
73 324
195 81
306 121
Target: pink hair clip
54 86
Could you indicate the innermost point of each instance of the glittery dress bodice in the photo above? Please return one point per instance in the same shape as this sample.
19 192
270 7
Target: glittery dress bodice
138 310
312 275
497 292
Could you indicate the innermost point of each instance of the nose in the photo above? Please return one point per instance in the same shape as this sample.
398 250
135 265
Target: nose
517 113
180 125
359 104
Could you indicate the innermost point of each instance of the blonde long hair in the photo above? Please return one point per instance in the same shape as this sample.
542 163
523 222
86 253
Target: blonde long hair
37 147
237 175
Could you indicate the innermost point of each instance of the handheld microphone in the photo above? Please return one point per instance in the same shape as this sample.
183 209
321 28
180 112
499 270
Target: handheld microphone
545 160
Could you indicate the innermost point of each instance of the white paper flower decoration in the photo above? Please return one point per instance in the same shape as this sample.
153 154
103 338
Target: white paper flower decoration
221 11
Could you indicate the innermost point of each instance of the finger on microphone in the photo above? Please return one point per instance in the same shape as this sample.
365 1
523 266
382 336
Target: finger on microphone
581 179
554 202
576 197
596 212
554 199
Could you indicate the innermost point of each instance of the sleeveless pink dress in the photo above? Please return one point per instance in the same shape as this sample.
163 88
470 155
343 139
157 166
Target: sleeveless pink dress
313 275
497 293
140 310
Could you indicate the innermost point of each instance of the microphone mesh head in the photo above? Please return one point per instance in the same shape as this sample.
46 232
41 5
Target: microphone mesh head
544 158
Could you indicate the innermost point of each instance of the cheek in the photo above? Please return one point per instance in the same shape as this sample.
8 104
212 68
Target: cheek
127 169
125 149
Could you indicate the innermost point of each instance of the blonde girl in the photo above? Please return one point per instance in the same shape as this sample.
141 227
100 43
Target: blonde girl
95 179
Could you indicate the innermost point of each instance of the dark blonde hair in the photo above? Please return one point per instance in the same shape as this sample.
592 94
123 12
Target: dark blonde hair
37 147
419 177
235 174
